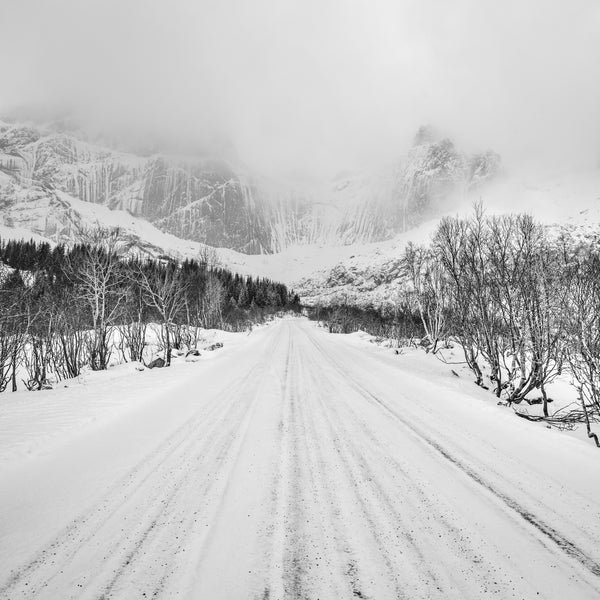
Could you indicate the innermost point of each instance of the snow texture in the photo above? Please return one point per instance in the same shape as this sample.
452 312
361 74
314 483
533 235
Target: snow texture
295 464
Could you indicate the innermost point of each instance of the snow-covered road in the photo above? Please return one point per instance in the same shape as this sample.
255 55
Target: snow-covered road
303 465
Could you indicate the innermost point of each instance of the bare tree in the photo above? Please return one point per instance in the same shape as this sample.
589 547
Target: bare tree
211 303
505 300
37 357
70 342
584 333
135 323
527 300
15 320
164 291
208 258
99 279
429 287
451 248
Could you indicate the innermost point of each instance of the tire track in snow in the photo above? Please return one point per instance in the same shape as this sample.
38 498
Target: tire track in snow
306 541
287 578
186 529
382 472
274 586
346 515
168 534
322 574
385 521
348 556
352 550
45 567
560 541
486 461
214 451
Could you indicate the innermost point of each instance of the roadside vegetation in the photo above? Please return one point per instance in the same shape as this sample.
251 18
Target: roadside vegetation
520 300
63 309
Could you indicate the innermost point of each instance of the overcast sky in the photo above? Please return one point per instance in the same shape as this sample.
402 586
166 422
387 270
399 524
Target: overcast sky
314 86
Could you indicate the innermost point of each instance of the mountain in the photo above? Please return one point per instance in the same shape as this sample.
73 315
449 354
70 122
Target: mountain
45 169
340 241
371 275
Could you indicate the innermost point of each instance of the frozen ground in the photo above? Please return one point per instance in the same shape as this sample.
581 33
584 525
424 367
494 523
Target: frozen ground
298 464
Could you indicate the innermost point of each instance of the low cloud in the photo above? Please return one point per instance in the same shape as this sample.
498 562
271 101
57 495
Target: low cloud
309 88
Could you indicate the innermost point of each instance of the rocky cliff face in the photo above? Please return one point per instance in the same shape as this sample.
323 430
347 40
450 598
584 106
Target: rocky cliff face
208 200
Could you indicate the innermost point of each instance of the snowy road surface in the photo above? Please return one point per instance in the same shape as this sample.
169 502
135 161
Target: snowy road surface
303 465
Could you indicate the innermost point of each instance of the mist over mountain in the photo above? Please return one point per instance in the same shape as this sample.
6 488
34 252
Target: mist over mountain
269 126
215 201
309 89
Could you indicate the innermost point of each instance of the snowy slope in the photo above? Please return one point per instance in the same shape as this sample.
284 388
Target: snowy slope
369 275
60 218
365 273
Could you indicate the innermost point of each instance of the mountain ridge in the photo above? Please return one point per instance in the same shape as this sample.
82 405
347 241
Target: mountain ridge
207 200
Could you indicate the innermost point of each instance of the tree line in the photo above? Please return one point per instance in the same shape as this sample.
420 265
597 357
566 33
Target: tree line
64 308
522 301
398 322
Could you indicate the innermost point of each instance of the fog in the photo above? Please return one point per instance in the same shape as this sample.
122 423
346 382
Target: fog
312 87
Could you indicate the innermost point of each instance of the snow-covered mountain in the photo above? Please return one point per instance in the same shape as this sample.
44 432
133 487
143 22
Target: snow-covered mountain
208 200
370 275
334 242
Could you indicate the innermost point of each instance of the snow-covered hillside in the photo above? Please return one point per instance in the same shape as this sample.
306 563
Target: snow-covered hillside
360 273
370 274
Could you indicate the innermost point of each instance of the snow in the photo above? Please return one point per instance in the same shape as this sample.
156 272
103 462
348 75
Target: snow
20 233
5 272
296 463
567 197
368 274
562 392
35 423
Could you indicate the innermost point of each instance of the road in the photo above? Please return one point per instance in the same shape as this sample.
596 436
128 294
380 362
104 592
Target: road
303 466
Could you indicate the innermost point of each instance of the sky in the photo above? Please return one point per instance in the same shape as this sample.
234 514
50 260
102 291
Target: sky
312 87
